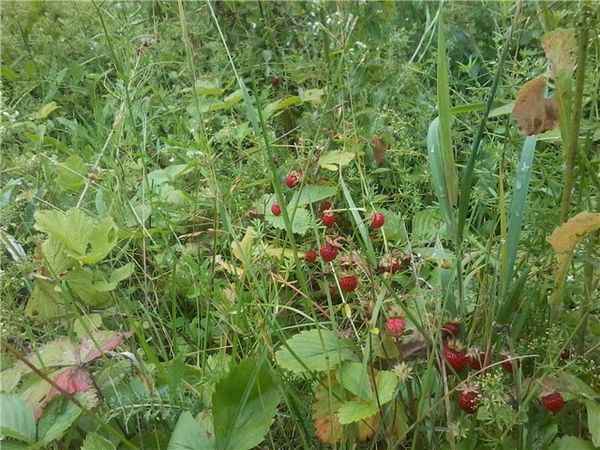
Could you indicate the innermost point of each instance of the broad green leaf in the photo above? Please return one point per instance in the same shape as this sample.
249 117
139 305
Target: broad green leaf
189 435
334 159
280 105
353 376
312 96
244 406
56 420
593 416
300 222
56 257
571 443
242 250
93 441
45 302
314 350
72 174
58 353
14 445
46 110
87 284
386 382
355 411
116 276
86 322
9 379
84 239
229 101
312 193
16 418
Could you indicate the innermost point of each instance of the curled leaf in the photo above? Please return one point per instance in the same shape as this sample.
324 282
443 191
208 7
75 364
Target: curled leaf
535 114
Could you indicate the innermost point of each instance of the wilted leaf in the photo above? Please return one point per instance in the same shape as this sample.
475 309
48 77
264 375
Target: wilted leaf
535 114
564 239
314 350
107 340
558 46
327 402
242 250
334 159
312 96
379 149
367 427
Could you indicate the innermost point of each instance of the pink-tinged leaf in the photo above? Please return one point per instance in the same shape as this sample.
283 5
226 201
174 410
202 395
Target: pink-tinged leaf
60 352
106 340
34 392
72 380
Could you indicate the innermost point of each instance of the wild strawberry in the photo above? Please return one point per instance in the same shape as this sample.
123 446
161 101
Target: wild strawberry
328 252
328 219
324 206
378 221
275 209
553 401
507 362
475 358
451 329
348 283
292 178
395 326
276 81
468 399
310 256
333 292
455 355
566 354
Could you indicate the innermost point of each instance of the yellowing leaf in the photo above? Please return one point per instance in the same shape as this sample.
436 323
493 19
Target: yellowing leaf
558 45
333 160
311 96
242 250
564 239
46 110
278 252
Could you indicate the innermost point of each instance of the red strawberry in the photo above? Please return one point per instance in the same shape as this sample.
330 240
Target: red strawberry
324 206
276 82
378 221
475 358
566 354
455 355
507 363
292 178
348 283
553 401
310 256
275 209
395 326
328 252
451 329
468 399
328 219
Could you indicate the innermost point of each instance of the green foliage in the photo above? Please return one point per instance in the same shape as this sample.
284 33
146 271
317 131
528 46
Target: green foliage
16 419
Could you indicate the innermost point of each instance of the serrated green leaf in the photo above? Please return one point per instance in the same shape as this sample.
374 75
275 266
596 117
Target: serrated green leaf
189 435
300 222
84 283
92 322
56 257
312 96
312 194
84 239
116 276
58 416
571 443
334 159
244 406
593 417
93 441
314 350
386 382
353 376
16 418
355 411
72 174
45 302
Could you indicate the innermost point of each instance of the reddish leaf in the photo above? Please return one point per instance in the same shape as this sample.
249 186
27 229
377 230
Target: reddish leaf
71 380
106 340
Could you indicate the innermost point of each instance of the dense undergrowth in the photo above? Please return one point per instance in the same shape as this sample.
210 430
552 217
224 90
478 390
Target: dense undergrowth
300 225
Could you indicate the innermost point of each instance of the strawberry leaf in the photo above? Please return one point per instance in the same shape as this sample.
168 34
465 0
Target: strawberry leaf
16 418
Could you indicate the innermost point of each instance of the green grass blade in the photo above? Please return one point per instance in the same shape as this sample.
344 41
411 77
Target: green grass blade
443 98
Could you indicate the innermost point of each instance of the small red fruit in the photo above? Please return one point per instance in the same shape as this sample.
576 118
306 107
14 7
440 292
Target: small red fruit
324 206
475 358
468 399
348 283
507 363
395 326
455 355
378 221
553 401
275 209
328 219
328 252
276 81
566 354
310 256
333 291
451 329
292 179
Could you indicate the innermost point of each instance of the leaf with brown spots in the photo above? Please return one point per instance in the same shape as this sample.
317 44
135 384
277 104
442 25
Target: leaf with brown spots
535 114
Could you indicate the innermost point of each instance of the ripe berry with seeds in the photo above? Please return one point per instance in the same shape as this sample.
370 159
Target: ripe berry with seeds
328 219
378 221
507 363
328 252
553 401
276 81
475 358
454 355
348 283
468 399
395 326
275 209
310 256
292 179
